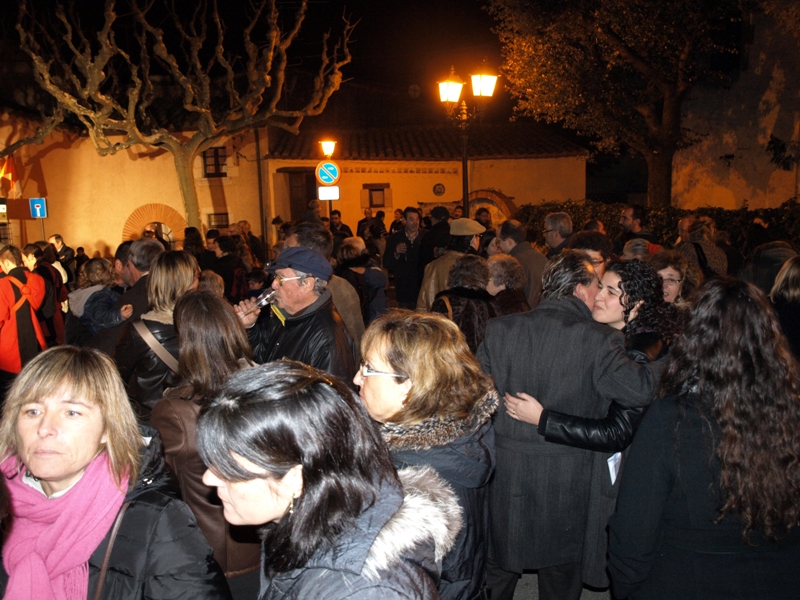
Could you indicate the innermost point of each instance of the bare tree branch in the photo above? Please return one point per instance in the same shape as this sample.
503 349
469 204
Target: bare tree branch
46 128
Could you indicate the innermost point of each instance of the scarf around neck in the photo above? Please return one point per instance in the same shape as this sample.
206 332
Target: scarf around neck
47 552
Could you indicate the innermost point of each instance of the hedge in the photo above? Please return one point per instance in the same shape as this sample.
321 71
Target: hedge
784 221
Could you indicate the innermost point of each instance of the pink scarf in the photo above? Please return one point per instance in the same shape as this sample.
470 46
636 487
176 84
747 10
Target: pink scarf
47 552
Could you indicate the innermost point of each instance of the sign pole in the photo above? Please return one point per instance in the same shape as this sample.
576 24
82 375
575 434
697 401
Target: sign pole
42 222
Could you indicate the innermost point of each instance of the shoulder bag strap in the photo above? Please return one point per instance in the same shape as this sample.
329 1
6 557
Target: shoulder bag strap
449 306
156 346
107 557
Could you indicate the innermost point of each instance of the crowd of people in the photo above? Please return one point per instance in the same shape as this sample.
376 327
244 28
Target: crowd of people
424 411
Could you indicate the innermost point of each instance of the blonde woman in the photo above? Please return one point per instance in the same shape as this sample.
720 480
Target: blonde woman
94 510
420 381
147 345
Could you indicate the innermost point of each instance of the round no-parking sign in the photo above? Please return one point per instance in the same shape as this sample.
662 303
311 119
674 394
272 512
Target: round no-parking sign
328 172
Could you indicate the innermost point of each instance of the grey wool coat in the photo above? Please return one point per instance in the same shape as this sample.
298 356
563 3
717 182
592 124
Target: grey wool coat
549 503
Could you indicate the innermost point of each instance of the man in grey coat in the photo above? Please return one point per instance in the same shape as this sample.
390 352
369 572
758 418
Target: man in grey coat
512 239
543 496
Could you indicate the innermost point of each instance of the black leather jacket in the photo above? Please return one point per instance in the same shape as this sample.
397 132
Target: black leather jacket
316 336
614 432
145 375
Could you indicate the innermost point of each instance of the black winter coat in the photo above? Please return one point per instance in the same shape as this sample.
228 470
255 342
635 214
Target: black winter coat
392 552
145 374
462 452
159 552
316 336
664 542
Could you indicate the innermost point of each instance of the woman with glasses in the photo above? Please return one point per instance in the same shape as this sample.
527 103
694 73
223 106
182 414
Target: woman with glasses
681 277
300 457
422 384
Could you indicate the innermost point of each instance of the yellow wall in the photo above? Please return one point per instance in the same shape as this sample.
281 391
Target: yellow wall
528 181
90 197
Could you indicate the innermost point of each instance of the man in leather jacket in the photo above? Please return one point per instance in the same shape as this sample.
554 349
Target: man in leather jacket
304 324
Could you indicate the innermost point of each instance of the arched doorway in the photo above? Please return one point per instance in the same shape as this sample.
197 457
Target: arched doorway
168 222
499 205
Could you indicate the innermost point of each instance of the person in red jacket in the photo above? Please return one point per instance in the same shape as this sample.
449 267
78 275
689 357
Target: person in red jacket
21 294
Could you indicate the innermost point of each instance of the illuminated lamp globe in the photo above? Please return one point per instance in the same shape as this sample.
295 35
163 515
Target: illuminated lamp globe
328 146
450 89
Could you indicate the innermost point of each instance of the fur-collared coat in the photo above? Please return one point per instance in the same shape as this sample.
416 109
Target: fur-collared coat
392 552
471 309
462 451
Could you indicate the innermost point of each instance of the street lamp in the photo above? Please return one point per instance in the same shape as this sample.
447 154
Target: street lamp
328 146
483 85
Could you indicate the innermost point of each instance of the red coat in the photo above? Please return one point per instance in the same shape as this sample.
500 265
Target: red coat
32 290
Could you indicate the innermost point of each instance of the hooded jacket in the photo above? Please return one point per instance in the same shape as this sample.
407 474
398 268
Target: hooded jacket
315 336
462 452
391 553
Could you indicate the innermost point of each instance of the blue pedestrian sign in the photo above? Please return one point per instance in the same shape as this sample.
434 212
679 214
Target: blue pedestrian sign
328 172
38 208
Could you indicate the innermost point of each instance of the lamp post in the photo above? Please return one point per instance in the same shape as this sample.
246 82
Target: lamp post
483 85
327 174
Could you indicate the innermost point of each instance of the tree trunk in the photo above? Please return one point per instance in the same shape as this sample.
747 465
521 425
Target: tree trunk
659 177
183 167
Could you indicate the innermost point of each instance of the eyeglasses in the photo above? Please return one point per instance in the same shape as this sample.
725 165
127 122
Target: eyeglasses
280 279
546 231
672 282
367 371
597 261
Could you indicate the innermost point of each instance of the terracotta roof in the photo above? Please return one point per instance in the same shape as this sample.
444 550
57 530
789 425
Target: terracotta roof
441 142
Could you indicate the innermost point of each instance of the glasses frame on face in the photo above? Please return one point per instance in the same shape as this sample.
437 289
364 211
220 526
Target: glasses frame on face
280 278
367 371
546 231
670 281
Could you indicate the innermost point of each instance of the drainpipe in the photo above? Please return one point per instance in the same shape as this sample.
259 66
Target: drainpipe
264 237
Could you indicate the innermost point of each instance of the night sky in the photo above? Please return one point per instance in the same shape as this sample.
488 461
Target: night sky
407 42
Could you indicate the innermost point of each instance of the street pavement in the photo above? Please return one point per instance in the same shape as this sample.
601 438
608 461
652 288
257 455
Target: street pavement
527 589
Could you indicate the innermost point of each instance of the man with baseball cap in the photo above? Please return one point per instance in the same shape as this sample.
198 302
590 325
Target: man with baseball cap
304 324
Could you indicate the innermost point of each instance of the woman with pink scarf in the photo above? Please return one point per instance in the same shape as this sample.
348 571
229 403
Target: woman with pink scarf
94 512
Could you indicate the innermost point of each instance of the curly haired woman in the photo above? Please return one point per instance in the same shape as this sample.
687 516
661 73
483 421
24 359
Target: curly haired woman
709 505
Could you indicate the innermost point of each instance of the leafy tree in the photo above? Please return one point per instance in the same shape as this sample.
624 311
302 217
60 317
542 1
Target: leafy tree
619 70
175 77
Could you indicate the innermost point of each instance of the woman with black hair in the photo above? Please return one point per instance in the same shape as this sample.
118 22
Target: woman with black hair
301 457
631 300
709 505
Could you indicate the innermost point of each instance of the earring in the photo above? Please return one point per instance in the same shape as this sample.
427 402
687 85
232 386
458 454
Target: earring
291 506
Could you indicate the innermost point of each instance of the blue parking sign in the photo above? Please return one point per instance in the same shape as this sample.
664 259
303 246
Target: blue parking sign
38 208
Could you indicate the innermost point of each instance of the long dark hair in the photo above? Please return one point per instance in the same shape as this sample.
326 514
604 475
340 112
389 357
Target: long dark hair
641 283
212 342
284 414
733 360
